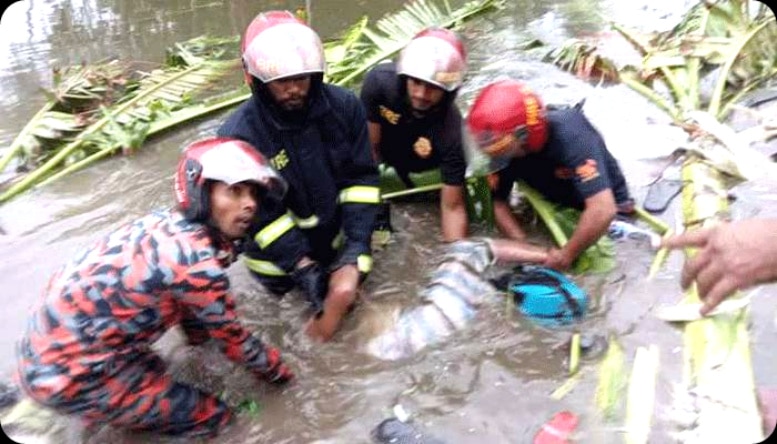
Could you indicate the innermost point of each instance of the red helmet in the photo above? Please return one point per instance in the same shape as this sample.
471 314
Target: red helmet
277 44
504 112
227 160
436 56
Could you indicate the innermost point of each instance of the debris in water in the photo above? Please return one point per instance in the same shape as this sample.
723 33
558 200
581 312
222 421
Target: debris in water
401 413
393 431
686 312
558 429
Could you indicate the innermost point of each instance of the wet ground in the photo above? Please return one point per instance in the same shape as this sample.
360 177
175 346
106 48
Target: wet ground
490 383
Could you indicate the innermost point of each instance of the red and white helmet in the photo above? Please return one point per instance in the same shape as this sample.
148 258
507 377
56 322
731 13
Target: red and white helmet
222 159
277 44
504 112
436 56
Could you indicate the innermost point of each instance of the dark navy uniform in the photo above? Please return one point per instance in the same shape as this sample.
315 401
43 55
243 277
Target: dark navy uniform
404 136
573 165
329 210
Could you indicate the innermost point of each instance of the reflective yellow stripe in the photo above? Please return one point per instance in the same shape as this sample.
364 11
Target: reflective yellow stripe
263 267
337 242
360 194
364 263
274 230
307 223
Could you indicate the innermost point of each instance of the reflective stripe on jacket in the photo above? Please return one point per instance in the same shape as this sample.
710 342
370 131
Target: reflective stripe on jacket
333 181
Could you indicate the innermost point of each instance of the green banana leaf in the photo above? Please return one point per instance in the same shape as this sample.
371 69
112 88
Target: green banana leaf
106 129
724 37
477 192
114 112
561 222
363 47
612 380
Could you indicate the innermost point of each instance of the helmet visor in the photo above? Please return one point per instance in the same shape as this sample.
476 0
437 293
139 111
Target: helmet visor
501 149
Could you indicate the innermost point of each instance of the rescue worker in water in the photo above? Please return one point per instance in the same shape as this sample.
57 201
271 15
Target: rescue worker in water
87 347
318 239
414 123
558 152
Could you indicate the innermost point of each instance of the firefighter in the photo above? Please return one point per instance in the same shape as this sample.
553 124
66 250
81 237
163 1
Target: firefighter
558 152
414 124
315 134
87 347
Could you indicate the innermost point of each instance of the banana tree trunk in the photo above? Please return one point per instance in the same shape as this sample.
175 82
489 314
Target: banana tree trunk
718 373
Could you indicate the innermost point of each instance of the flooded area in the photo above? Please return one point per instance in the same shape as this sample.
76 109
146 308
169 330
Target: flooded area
489 383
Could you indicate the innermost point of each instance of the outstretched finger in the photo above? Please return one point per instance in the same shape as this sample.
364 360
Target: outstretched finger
720 291
693 267
694 238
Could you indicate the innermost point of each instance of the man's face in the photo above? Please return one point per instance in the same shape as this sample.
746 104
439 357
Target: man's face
502 150
290 93
232 207
423 95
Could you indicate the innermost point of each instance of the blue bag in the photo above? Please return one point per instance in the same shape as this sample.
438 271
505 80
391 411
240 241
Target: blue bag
547 296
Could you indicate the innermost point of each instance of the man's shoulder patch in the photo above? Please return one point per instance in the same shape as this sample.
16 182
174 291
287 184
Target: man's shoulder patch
587 171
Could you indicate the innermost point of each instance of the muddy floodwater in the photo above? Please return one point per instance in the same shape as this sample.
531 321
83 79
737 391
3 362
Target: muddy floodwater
490 383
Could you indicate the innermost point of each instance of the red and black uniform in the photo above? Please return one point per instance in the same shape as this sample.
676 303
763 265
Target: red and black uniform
404 136
573 164
86 349
324 154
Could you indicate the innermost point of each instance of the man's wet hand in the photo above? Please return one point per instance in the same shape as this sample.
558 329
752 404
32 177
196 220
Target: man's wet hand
557 260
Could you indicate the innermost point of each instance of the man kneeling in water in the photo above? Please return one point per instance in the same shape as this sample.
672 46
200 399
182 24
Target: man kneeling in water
456 289
87 347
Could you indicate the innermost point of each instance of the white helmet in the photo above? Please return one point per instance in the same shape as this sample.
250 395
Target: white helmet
436 56
221 159
277 44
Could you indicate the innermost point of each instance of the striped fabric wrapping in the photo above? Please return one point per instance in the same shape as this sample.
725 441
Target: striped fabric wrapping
456 289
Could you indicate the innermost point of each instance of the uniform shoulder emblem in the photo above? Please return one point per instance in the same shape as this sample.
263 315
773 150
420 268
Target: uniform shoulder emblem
423 147
389 115
280 160
587 171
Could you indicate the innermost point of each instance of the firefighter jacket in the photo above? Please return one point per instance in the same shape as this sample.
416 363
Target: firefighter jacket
329 210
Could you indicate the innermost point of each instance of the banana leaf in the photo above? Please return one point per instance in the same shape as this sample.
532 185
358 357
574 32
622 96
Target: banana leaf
561 222
723 39
76 93
477 192
718 369
580 58
173 101
641 395
612 380
121 119
363 47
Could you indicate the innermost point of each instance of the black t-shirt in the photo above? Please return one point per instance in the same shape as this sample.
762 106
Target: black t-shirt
411 144
573 165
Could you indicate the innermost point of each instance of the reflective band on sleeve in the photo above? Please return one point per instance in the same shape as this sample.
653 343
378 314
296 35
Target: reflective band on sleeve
307 223
337 242
266 268
274 230
360 194
364 263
